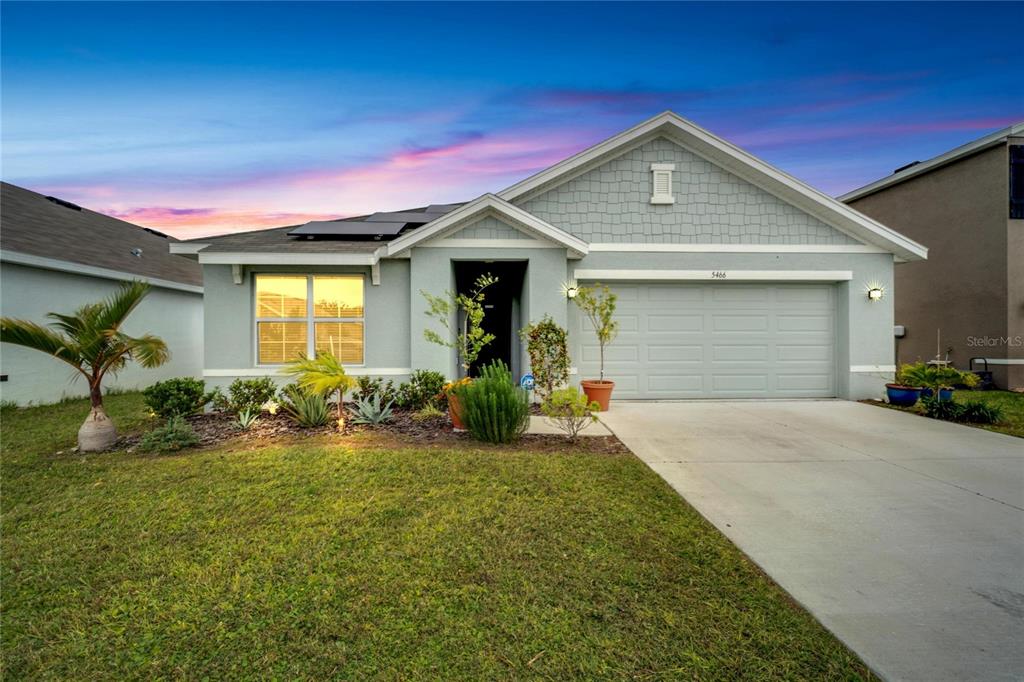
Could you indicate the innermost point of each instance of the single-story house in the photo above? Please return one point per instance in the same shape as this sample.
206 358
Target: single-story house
734 279
967 300
56 256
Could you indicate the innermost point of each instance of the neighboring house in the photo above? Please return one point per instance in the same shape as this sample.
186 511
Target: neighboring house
57 256
734 280
967 300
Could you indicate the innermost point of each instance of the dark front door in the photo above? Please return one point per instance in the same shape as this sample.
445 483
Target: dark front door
500 305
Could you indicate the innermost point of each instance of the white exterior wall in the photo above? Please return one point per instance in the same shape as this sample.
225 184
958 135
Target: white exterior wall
30 293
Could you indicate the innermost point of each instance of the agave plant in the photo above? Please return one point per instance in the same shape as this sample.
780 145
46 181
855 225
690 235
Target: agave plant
371 410
91 341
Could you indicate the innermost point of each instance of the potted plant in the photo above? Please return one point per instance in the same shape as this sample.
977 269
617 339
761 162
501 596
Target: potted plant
922 380
906 390
598 304
470 338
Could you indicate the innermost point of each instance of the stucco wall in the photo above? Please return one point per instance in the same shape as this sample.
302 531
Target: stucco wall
864 341
960 213
611 203
230 337
30 293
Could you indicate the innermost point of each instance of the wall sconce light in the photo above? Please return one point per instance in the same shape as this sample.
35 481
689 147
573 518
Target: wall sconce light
876 292
570 289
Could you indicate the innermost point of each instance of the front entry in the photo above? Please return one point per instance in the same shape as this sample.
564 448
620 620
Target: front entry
502 303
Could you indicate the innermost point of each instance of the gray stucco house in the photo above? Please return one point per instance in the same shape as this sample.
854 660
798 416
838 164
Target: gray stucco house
735 280
57 256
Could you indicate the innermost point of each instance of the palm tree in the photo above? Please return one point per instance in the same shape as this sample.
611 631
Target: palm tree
91 341
324 375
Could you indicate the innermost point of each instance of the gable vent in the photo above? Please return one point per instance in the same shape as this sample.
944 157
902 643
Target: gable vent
661 183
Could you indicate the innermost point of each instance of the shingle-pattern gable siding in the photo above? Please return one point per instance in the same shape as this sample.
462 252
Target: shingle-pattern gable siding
611 203
489 227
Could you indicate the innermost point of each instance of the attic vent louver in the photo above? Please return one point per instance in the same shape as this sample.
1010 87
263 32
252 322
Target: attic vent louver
661 183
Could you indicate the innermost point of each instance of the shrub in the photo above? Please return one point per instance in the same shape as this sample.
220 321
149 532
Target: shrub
308 410
371 410
250 394
947 410
470 337
177 397
569 410
547 346
934 377
494 408
428 412
979 413
598 304
367 387
323 375
176 434
425 387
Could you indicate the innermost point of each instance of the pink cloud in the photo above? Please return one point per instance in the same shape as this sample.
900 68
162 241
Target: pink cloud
187 223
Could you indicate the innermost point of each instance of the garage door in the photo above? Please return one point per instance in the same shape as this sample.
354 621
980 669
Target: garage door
718 341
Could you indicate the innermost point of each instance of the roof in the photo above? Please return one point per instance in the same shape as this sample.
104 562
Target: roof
921 167
492 205
737 161
52 230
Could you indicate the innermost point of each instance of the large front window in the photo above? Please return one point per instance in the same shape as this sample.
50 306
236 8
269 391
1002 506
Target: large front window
308 314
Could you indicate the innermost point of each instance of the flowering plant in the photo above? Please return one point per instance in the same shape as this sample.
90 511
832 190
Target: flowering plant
453 386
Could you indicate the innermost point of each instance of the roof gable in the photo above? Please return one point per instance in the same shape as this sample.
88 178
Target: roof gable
732 159
488 206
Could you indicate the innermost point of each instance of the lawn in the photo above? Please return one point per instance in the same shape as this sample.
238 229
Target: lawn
1012 405
354 559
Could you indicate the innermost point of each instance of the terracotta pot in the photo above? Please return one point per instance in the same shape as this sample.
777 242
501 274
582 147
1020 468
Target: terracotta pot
454 410
598 390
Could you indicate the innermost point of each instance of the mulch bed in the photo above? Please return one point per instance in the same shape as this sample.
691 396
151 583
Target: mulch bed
403 430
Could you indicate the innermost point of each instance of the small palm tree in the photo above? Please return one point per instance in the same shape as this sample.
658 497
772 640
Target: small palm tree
91 341
324 375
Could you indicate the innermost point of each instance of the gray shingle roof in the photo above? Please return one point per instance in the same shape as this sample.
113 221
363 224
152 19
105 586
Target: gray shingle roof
34 225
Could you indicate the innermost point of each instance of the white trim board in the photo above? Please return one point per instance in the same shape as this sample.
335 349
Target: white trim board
276 371
614 247
870 369
291 258
715 275
44 263
735 160
490 244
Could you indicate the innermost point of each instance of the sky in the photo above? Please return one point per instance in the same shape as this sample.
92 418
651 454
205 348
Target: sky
205 118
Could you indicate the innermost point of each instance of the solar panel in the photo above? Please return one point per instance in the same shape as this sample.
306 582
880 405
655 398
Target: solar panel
441 209
402 216
347 228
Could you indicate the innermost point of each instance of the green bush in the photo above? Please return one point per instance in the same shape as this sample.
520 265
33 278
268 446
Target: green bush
979 413
934 377
547 345
494 408
176 434
947 410
368 387
177 397
569 410
425 387
250 394
308 410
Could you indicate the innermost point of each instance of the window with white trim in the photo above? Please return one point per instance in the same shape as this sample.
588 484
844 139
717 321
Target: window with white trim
661 183
309 314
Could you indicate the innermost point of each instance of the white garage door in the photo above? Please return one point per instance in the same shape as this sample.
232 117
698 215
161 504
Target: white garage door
718 341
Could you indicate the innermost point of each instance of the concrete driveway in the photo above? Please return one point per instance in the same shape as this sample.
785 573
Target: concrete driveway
902 535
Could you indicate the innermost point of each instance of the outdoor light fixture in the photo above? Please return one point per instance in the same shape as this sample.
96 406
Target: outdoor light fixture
570 289
875 291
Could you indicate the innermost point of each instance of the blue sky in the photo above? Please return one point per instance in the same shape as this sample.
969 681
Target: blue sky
200 118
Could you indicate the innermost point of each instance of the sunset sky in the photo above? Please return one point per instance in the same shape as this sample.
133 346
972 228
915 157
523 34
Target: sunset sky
200 118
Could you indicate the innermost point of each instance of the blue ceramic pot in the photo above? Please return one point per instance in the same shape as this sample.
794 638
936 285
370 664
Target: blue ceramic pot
944 394
902 396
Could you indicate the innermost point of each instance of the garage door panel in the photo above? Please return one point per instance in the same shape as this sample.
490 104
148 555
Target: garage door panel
675 323
739 323
691 340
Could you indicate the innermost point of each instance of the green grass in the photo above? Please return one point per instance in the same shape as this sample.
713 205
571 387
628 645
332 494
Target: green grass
345 560
1012 405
